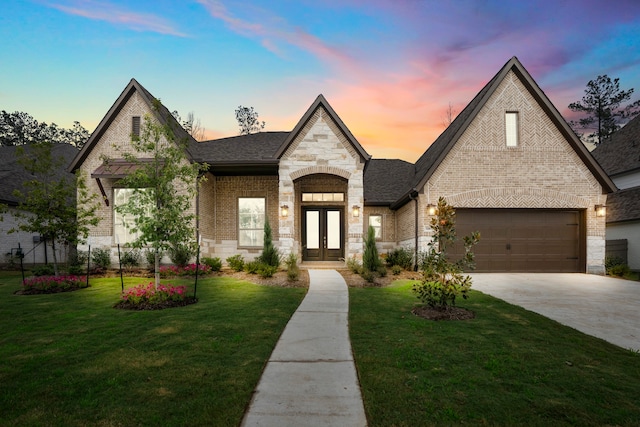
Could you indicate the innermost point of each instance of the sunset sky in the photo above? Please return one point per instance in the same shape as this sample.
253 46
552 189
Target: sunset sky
390 69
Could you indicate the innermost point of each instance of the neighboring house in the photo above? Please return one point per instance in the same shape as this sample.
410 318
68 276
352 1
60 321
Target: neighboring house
620 158
509 164
12 177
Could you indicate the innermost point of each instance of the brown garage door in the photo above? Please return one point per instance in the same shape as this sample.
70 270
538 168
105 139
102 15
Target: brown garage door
524 240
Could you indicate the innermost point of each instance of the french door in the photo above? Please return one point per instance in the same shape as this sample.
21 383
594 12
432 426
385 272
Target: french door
322 234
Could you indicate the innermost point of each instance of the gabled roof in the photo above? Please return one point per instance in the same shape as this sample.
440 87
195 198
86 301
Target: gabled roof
435 154
621 153
322 102
385 179
13 174
161 113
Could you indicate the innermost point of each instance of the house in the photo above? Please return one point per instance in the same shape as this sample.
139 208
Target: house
620 158
509 164
12 177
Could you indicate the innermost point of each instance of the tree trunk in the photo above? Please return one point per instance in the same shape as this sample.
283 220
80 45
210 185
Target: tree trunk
157 267
55 258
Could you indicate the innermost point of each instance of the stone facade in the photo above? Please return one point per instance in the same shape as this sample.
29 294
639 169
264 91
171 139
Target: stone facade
321 148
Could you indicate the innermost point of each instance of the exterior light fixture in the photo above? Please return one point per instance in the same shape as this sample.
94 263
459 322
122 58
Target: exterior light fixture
431 209
356 210
601 210
284 211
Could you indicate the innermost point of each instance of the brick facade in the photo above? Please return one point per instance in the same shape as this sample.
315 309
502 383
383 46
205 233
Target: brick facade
543 171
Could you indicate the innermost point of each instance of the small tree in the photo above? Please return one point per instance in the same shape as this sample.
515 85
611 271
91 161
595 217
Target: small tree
248 121
165 183
601 105
270 254
370 259
444 280
48 204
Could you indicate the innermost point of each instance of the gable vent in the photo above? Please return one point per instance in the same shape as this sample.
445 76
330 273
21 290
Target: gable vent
135 126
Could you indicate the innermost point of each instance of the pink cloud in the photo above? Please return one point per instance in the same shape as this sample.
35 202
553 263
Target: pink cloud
107 12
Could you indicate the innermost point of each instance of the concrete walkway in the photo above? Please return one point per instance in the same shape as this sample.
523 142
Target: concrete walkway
310 379
600 306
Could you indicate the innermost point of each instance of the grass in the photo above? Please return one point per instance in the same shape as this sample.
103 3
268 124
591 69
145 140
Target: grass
508 366
70 359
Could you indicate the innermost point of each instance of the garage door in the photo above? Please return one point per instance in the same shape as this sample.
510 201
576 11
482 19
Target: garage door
523 240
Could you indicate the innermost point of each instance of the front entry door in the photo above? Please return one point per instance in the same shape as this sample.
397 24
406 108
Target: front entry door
322 234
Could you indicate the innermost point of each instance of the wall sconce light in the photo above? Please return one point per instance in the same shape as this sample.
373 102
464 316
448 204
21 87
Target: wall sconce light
431 209
356 210
601 210
284 211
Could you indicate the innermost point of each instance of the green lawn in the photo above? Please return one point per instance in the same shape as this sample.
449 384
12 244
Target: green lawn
70 359
508 366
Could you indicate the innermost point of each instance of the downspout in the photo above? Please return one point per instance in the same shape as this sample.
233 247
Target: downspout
415 245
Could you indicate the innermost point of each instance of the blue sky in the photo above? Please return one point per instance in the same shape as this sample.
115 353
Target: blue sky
390 69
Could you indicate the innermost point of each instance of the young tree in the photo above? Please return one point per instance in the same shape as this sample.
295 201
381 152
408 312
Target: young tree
601 105
53 205
192 125
248 121
165 184
444 280
270 254
370 259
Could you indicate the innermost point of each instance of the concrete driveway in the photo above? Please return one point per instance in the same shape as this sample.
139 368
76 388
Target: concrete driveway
600 306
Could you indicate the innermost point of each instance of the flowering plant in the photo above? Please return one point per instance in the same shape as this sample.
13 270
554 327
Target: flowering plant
147 293
187 270
50 284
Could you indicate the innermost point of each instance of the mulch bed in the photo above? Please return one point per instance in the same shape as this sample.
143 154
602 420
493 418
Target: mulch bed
450 313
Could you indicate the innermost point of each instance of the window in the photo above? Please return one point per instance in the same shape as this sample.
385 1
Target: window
375 221
323 197
251 215
135 127
511 127
123 224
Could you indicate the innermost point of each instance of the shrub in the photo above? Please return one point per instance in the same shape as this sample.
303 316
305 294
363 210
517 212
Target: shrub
401 257
101 258
51 284
265 271
354 265
77 262
252 267
370 259
293 271
148 294
130 259
150 257
368 275
180 254
43 270
381 271
619 270
443 281
396 269
236 262
270 255
215 264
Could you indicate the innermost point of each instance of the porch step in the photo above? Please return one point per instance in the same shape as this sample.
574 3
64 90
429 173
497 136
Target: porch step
322 265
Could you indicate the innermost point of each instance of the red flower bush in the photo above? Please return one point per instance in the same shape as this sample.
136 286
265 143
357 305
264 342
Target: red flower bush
148 294
53 284
188 270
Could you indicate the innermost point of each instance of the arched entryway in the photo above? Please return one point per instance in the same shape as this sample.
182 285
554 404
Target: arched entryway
321 229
